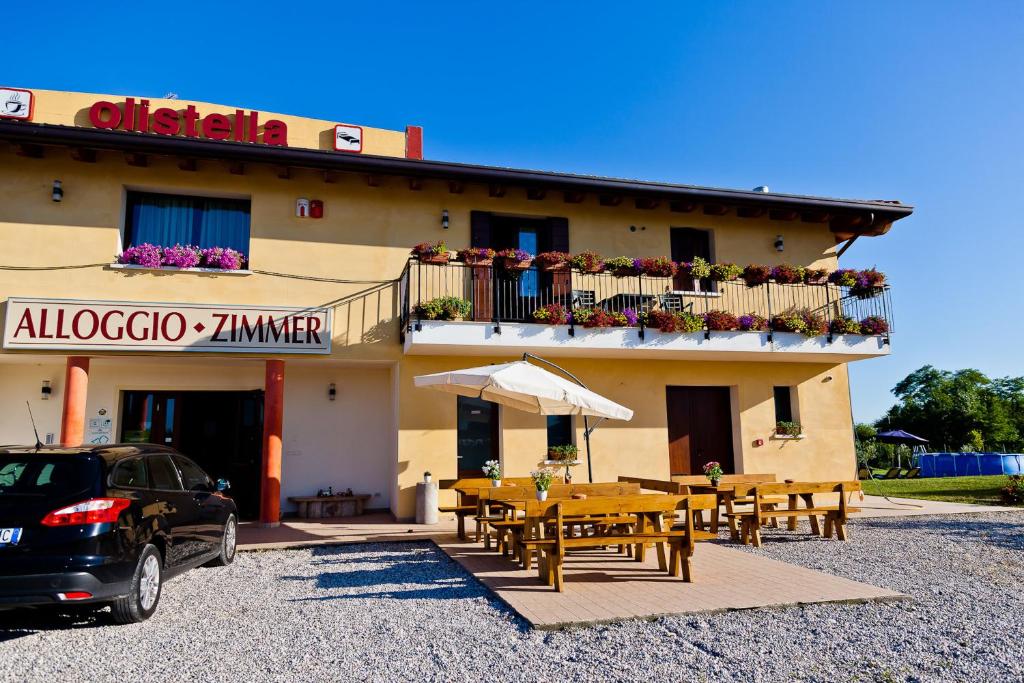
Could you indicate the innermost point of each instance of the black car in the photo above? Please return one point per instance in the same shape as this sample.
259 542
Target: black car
106 525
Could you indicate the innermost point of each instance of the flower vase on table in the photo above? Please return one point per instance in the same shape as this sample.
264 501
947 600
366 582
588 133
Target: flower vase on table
542 494
542 479
713 471
492 470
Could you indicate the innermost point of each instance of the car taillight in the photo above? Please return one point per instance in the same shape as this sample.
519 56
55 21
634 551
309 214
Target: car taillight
74 595
92 511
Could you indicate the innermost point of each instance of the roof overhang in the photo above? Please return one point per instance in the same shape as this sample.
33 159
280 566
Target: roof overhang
845 217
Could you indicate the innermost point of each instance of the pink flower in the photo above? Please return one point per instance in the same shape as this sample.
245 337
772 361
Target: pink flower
146 255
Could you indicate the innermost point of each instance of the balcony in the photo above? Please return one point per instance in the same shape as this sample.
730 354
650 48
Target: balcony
500 319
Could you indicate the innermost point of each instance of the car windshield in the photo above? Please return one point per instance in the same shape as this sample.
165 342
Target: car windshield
49 476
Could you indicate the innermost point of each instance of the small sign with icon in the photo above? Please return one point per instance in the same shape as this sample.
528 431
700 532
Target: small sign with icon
16 103
348 138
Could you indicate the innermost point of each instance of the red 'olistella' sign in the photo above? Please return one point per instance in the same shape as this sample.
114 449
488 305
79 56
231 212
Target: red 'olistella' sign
140 326
241 126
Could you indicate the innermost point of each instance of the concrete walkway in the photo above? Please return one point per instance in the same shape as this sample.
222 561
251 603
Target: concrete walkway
879 506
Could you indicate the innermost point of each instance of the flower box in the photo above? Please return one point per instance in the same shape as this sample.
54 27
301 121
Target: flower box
435 259
552 261
477 257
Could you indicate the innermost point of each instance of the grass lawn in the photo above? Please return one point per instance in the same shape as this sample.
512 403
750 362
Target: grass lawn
978 490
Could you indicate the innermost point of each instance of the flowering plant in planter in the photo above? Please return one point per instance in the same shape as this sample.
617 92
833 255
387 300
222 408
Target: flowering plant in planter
655 267
844 325
476 256
789 322
868 282
596 317
182 256
632 319
815 276
752 322
222 257
814 323
788 275
844 277
552 314
587 262
147 255
725 272
756 275
492 470
874 324
667 321
552 260
721 321
565 453
620 266
514 259
713 471
698 268
787 428
431 252
444 308
542 478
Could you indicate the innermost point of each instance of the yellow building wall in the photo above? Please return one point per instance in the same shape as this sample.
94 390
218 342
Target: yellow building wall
427 421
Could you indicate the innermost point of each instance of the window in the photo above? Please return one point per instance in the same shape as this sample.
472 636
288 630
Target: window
784 404
193 477
167 219
162 473
130 473
688 244
559 430
51 477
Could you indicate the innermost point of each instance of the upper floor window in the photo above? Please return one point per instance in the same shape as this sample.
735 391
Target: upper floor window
204 222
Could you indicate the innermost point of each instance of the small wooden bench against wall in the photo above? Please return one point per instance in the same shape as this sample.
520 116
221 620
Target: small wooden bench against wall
316 507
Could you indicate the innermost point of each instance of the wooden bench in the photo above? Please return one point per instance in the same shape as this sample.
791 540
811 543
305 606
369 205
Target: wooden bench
835 515
315 507
647 513
467 488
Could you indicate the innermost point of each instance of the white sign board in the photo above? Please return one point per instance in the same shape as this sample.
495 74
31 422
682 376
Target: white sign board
348 138
138 326
98 430
16 103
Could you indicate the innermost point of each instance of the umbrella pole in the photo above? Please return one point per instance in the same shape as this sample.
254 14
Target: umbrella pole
586 439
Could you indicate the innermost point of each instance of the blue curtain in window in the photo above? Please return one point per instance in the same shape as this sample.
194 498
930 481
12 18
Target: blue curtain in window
166 220
528 280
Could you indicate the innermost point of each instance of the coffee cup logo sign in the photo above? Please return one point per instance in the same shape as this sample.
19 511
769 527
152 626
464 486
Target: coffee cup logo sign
16 103
134 326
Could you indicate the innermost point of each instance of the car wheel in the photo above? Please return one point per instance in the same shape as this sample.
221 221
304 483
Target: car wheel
144 592
228 542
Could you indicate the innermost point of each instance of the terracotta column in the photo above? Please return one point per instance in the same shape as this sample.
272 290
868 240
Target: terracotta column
76 390
273 421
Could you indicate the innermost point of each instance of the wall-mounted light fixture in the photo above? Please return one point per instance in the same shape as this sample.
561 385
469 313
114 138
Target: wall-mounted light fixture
633 228
46 390
444 218
58 191
332 392
779 244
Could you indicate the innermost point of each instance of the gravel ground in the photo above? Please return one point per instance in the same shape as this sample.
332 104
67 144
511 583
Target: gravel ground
406 612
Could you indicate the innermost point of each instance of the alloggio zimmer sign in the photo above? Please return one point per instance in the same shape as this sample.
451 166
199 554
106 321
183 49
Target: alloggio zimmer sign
134 326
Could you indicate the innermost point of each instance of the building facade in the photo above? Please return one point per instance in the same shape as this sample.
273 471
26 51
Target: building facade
280 353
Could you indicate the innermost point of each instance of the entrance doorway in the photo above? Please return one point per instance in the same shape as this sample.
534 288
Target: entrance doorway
477 436
699 429
221 430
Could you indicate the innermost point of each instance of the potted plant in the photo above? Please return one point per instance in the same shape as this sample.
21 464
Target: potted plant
721 321
580 316
698 269
789 322
552 314
815 276
752 322
565 453
476 256
844 325
431 252
874 325
542 479
869 283
713 471
620 266
667 321
656 267
514 260
786 428
492 470
222 258
182 256
444 308
725 272
598 317
146 255
587 262
814 323
844 277
755 275
550 261
785 274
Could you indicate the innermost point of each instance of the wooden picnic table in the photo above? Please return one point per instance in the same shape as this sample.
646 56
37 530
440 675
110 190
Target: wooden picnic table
726 494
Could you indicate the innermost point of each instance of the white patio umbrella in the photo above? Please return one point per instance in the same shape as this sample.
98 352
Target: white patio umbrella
524 386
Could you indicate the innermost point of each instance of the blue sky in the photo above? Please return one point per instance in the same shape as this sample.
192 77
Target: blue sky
917 101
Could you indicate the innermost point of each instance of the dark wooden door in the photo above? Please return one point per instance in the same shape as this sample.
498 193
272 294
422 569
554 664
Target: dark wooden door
687 244
699 428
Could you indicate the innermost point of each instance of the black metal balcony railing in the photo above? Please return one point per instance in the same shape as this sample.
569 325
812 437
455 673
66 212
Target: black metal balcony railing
497 297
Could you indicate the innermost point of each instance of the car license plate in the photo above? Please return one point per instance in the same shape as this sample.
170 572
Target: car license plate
10 536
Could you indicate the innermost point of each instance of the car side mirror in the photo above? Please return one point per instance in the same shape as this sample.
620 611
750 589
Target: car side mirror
223 484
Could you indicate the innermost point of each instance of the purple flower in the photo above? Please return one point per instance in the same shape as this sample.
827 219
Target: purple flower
223 258
181 256
632 319
146 254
